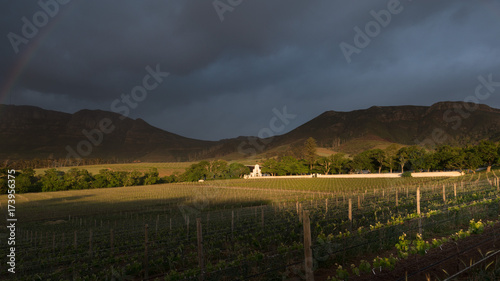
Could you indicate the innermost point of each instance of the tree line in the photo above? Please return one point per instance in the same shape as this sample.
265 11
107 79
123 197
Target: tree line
217 169
37 163
74 178
298 160
407 158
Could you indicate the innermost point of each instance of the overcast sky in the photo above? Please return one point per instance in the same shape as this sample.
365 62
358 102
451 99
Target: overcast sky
231 62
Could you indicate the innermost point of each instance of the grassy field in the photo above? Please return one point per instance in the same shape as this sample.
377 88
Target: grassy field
56 205
164 169
60 204
47 206
249 227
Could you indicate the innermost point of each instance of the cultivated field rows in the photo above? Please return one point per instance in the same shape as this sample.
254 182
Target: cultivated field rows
250 230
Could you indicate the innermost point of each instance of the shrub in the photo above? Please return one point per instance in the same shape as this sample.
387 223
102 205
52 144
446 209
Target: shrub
476 227
53 180
406 175
364 266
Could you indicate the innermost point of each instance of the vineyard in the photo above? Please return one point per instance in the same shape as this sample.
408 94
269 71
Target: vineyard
357 229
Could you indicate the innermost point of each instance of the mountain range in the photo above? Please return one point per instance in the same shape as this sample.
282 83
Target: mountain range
28 132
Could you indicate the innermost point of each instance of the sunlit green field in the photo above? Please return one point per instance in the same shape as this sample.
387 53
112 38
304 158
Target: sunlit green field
35 206
164 169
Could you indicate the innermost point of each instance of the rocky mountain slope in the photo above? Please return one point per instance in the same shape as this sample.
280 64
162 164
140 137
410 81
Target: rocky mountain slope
30 132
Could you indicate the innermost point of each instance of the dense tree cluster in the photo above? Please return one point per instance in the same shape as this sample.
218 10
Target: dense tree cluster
414 158
218 169
286 165
55 180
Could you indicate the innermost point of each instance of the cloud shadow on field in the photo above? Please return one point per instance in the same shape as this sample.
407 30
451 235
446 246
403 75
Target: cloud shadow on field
90 205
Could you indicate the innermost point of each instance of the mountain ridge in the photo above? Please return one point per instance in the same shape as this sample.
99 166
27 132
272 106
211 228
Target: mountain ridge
400 124
33 132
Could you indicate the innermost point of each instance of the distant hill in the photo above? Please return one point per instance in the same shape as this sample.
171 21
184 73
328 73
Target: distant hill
452 123
28 132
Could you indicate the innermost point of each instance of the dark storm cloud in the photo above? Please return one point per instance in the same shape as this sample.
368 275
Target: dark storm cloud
226 77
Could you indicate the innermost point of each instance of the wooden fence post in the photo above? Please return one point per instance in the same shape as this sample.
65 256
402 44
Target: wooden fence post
418 211
350 210
111 241
90 242
187 226
418 200
208 221
397 199
300 213
455 189
444 193
262 216
232 222
307 247
146 262
157 222
200 248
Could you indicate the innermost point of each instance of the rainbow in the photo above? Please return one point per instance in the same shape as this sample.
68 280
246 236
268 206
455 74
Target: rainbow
24 56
